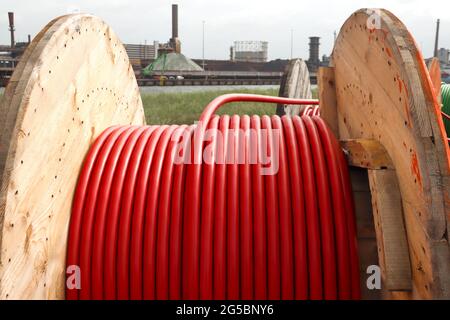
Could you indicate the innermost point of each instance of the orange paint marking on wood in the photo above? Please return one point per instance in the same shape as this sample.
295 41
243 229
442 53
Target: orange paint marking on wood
388 52
415 168
408 115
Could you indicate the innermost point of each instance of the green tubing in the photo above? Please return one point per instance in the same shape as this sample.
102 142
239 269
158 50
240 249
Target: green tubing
445 93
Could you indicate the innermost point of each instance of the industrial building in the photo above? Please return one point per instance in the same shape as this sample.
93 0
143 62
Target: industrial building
313 61
443 55
10 54
142 51
249 51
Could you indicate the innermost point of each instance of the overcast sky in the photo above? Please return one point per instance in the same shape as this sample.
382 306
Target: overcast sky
229 20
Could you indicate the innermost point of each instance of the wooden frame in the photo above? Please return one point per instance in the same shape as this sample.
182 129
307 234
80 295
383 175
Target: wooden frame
73 81
384 94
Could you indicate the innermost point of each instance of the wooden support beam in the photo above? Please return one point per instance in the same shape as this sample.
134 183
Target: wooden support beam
366 153
367 240
327 98
392 243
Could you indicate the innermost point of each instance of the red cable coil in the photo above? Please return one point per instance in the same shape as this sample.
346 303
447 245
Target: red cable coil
237 234
312 110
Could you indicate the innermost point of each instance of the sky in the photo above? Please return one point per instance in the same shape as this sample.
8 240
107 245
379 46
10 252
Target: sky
229 20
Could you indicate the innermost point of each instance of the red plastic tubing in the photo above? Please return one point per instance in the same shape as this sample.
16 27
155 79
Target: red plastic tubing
145 226
313 110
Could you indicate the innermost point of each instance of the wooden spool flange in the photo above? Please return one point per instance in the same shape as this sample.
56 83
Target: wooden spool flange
379 100
295 83
73 81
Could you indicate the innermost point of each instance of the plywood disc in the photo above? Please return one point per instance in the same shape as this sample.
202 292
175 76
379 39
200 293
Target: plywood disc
73 81
384 93
294 84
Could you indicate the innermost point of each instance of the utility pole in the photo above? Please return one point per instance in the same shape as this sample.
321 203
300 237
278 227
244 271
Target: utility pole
203 45
292 43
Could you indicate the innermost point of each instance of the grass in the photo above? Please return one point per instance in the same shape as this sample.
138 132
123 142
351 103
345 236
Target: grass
185 108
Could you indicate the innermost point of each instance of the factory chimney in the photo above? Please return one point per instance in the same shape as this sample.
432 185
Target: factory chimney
175 43
174 21
11 28
314 50
436 41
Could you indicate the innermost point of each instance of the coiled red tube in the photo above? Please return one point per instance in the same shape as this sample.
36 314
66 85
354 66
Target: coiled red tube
178 212
310 111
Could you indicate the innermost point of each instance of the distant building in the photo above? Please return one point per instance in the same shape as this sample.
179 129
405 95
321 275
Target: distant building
314 61
249 51
326 60
142 51
443 55
174 43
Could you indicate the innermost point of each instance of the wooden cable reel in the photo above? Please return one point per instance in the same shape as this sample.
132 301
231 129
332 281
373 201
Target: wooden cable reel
75 80
379 99
295 83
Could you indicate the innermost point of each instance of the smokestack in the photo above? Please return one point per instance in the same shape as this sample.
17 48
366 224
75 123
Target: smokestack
11 28
314 49
436 42
174 21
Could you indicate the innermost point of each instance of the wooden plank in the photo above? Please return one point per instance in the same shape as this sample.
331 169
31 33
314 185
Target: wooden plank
76 82
366 153
367 242
390 230
327 98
